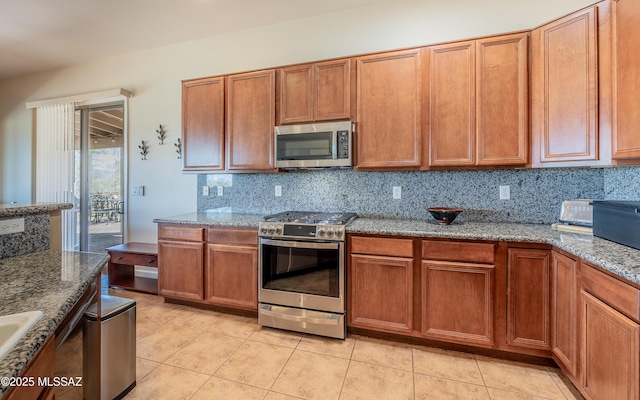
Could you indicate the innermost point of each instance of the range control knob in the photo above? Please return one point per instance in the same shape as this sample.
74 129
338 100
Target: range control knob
263 229
339 232
330 232
271 229
320 232
278 230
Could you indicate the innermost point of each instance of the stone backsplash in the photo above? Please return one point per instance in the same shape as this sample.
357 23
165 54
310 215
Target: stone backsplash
536 194
34 238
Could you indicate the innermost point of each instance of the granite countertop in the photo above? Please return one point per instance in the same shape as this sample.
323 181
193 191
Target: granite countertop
621 260
50 281
15 210
218 217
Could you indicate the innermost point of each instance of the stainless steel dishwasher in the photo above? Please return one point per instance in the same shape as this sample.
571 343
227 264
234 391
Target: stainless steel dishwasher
117 349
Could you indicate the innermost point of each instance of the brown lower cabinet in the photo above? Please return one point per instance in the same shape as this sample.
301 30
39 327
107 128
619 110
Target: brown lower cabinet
538 301
380 278
231 270
40 366
217 266
528 304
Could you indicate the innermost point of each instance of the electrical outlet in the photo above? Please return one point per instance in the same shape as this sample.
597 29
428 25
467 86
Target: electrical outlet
397 192
505 192
205 190
220 191
138 190
278 190
11 226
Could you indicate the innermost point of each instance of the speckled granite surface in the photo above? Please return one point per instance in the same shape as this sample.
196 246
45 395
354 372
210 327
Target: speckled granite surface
34 238
49 281
621 260
214 218
14 210
536 194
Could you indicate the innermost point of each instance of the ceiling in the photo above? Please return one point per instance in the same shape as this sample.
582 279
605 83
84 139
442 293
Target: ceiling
40 35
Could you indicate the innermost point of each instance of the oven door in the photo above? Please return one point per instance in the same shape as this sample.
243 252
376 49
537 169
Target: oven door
302 274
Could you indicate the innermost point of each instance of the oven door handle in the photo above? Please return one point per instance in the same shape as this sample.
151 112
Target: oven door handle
302 245
331 320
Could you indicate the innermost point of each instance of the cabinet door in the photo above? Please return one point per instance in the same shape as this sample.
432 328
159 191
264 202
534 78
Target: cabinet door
389 96
232 276
458 302
528 272
502 112
565 90
180 272
250 120
611 352
452 104
203 124
381 293
626 42
296 95
564 307
333 94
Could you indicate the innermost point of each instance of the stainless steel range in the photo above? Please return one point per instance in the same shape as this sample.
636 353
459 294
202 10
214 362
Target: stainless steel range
302 272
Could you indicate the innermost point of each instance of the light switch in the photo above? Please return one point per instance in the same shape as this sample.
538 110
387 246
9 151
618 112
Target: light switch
220 191
138 190
505 192
397 192
205 190
278 190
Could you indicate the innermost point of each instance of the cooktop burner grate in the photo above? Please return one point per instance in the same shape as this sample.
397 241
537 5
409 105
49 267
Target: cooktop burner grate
311 217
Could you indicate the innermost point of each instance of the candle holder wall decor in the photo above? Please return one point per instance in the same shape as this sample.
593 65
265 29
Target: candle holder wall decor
162 134
144 150
179 148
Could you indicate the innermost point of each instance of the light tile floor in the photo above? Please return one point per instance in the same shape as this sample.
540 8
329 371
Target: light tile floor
187 353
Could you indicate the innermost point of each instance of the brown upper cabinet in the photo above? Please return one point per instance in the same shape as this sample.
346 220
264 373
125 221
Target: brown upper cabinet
626 79
227 122
321 91
478 102
389 110
203 124
565 91
251 120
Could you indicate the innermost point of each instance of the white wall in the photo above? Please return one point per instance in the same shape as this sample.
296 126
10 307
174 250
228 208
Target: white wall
154 76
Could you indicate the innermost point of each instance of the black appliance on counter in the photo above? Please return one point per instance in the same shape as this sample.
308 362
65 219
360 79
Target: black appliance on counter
618 221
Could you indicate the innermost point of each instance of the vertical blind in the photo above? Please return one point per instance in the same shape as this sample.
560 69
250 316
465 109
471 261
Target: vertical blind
55 163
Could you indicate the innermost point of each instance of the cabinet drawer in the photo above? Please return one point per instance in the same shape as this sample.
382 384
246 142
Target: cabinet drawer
185 233
381 246
40 366
248 237
482 253
617 294
148 260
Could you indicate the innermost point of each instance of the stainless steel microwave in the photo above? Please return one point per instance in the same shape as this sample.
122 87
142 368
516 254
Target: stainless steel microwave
320 145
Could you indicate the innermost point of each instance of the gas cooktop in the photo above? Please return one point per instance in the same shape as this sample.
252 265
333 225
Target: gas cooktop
311 217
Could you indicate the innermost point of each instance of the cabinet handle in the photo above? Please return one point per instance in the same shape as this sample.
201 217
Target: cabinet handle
120 258
151 261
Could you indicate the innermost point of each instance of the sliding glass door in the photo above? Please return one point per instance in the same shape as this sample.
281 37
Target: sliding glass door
99 177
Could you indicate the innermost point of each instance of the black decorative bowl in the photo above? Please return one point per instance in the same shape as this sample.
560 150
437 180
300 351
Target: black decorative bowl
444 215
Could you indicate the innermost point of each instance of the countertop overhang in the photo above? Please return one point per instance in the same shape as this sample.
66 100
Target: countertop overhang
15 210
620 260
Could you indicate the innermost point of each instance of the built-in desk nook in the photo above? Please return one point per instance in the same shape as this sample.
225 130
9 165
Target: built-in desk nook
124 259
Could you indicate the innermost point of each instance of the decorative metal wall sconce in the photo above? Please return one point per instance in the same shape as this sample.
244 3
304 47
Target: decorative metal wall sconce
145 150
162 133
179 146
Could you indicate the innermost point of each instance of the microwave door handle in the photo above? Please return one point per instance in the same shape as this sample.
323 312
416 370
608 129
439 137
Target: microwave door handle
334 144
303 245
